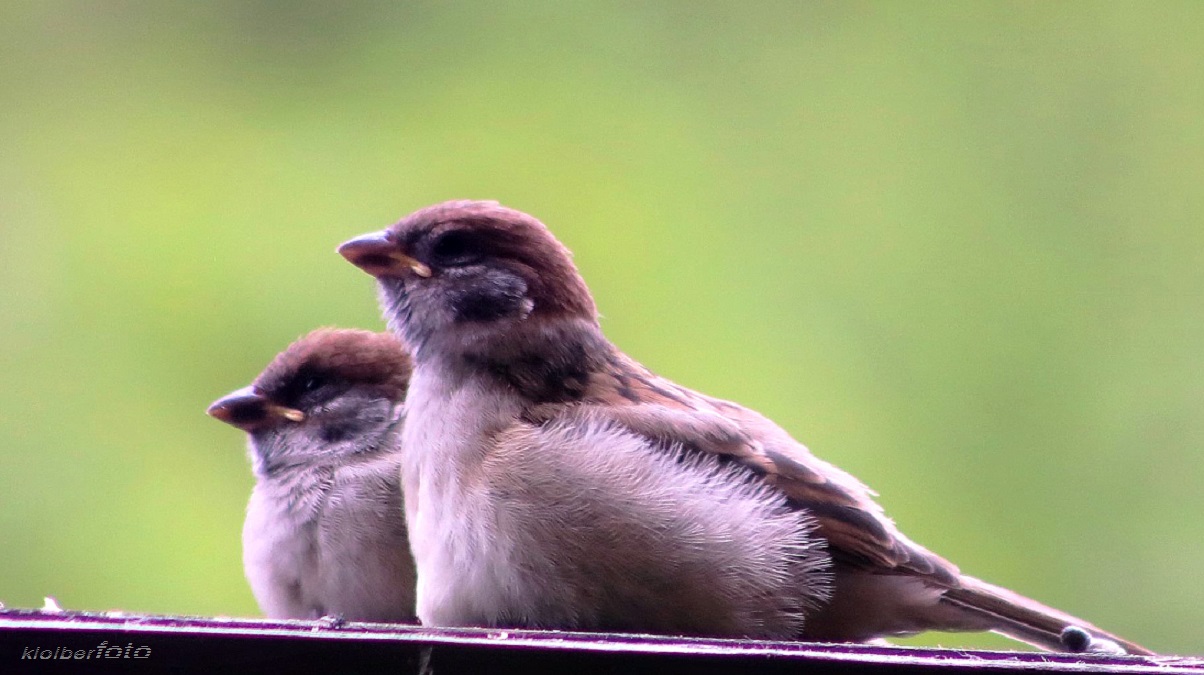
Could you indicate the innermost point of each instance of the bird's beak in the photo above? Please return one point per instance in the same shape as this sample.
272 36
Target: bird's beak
248 410
377 255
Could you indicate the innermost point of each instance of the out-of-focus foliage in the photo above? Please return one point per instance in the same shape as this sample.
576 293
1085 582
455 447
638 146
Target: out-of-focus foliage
956 248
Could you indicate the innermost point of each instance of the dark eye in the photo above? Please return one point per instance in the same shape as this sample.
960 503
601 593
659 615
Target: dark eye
455 248
312 383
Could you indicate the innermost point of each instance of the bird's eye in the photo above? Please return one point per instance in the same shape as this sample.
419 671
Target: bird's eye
312 383
455 248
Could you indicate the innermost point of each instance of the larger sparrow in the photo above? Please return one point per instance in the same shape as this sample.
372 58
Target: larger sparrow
552 481
325 532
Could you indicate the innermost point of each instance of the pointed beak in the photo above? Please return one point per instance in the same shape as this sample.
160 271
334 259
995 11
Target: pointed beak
248 410
377 255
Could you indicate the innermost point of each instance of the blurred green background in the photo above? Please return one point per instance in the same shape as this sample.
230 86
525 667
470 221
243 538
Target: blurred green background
957 248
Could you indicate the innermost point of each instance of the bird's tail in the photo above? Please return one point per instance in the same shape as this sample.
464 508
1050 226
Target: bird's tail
1029 621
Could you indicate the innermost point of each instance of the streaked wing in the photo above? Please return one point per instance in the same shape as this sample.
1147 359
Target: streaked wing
858 532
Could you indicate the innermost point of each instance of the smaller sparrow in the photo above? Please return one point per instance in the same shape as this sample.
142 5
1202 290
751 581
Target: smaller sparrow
325 531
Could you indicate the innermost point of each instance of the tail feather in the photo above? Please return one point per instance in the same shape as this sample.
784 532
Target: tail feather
1023 619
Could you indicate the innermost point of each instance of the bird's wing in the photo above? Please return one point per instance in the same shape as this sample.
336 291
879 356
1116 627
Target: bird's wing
858 532
861 539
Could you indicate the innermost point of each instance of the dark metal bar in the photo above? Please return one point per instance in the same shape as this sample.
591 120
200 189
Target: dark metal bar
37 640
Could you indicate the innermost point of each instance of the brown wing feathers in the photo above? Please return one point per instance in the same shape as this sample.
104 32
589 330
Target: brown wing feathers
853 524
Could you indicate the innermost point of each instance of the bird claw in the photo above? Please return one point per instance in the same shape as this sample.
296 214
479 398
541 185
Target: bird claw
1077 640
333 621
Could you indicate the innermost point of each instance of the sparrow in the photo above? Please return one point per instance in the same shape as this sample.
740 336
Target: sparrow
552 481
325 529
